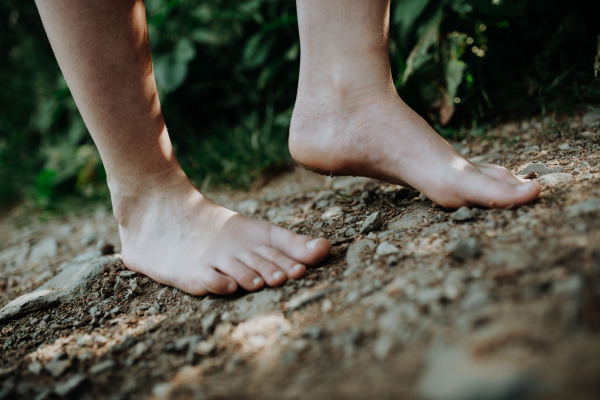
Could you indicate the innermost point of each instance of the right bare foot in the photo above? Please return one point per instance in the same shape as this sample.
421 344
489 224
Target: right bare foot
177 236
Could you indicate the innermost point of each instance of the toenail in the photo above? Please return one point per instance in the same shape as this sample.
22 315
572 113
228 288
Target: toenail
298 267
312 244
256 281
277 275
525 186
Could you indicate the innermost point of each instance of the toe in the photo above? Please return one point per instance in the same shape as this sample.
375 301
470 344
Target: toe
500 173
304 249
271 274
244 276
490 192
292 268
213 281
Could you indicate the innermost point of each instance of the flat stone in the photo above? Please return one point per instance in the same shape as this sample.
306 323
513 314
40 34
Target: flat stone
73 281
386 248
281 214
263 302
63 389
556 179
539 169
331 212
372 223
452 373
349 183
44 249
591 206
465 248
564 146
591 119
462 214
354 255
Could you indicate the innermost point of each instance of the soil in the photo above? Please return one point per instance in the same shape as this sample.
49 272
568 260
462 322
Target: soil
415 301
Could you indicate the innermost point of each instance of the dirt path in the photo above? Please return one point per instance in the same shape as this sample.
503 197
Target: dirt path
414 302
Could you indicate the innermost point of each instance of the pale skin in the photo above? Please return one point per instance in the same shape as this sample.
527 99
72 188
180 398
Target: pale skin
348 119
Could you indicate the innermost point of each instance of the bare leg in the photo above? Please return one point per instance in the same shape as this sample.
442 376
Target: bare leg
169 230
349 120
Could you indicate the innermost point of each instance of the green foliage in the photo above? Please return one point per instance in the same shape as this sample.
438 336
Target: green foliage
227 74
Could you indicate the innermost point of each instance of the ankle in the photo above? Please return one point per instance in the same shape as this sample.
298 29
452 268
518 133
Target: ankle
130 195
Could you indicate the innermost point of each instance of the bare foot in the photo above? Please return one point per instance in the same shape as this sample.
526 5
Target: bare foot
372 132
177 236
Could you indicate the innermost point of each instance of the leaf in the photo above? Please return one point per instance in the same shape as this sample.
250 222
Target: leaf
406 14
427 38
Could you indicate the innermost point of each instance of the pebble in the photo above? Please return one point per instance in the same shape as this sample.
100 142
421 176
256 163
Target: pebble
465 248
405 222
135 287
386 248
205 347
247 207
58 365
539 169
591 119
44 249
354 255
331 213
476 298
281 214
63 389
454 374
591 206
392 261
462 214
556 179
372 223
101 367
564 146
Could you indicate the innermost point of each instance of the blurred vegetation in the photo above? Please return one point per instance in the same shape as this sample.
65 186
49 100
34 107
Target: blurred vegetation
227 74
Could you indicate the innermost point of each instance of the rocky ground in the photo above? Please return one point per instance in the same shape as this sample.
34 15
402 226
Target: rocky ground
415 301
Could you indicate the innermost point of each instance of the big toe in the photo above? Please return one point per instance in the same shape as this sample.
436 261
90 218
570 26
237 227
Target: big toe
304 249
490 192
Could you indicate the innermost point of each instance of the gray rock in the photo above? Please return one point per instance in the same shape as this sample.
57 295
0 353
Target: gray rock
386 249
58 365
63 389
462 214
101 367
44 249
354 255
564 146
73 281
247 207
476 298
556 179
465 248
454 374
539 169
591 206
263 302
331 213
372 223
428 296
281 214
591 119
349 183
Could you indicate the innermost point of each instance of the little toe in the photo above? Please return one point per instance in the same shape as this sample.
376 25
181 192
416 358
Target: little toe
244 276
304 249
293 269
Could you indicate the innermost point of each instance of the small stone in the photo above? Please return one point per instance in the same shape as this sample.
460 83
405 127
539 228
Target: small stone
556 179
587 134
476 298
591 206
63 389
428 296
35 367
591 119
539 169
58 365
372 223
453 373
465 248
101 367
326 306
205 347
462 214
127 274
386 248
135 287
392 261
44 249
354 258
120 284
247 207
318 226
106 248
350 232
281 214
564 146
331 213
